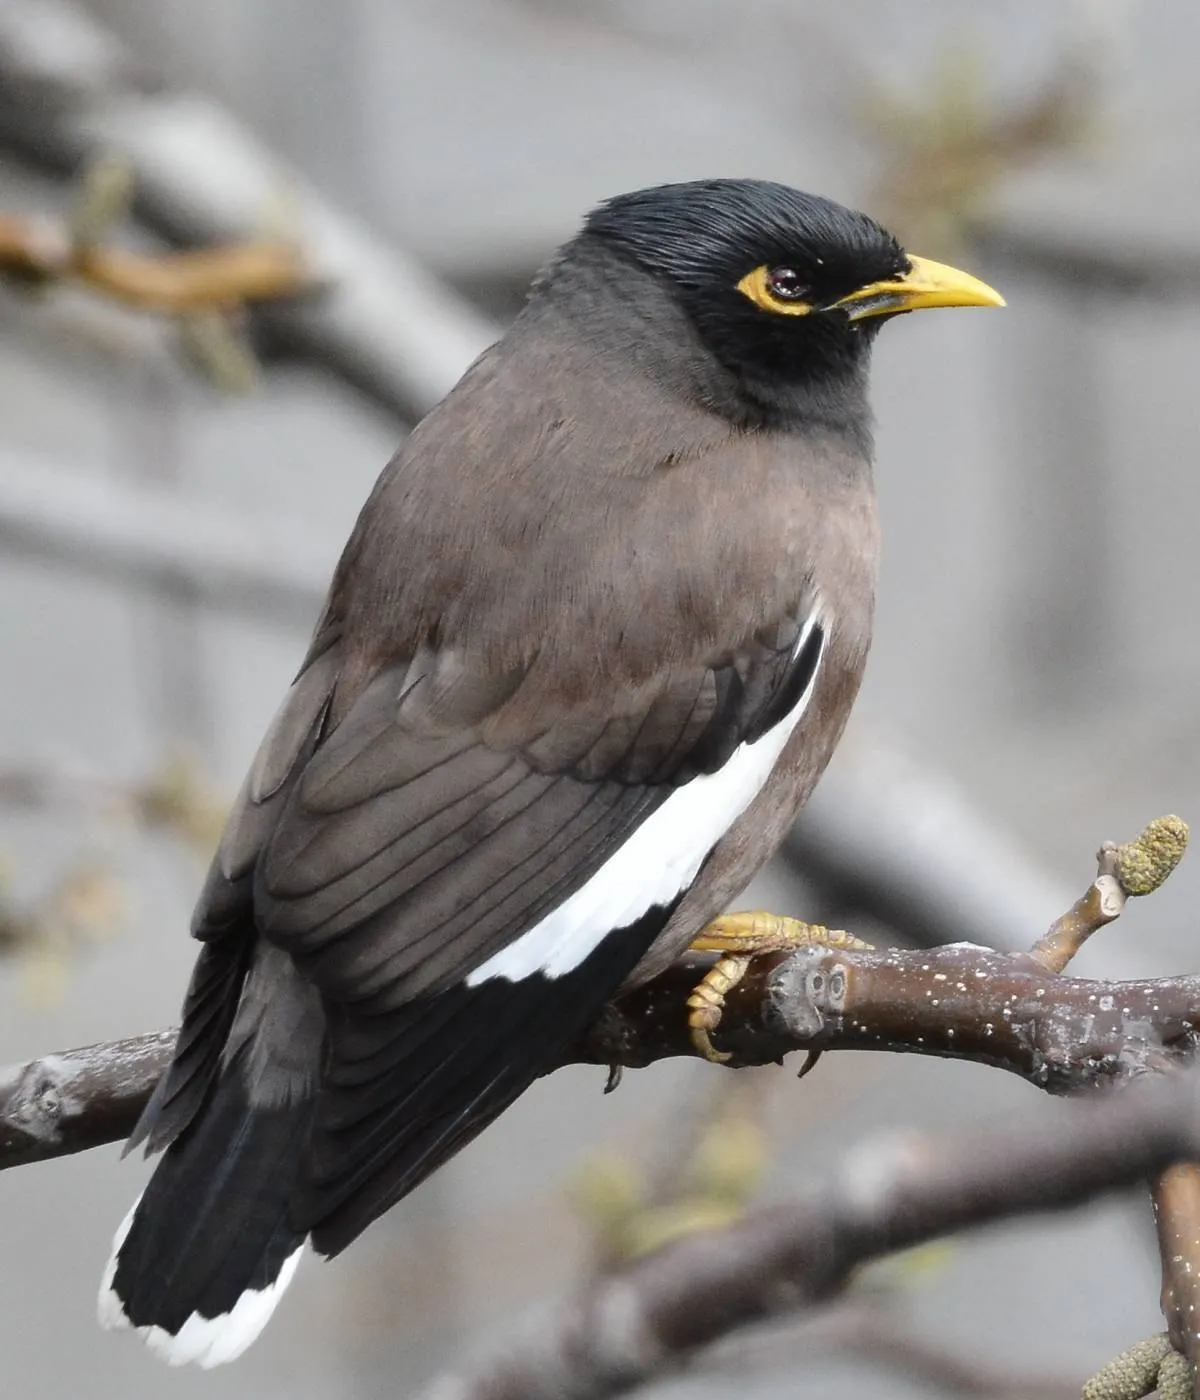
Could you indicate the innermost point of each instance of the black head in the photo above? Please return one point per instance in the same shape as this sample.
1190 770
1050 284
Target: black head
785 289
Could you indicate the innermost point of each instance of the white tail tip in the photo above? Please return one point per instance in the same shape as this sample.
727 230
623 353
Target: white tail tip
202 1341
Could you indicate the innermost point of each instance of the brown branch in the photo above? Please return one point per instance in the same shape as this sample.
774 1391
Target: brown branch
658 1313
1176 1198
78 1099
959 1002
169 284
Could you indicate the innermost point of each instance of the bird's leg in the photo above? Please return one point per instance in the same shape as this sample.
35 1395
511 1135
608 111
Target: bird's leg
739 938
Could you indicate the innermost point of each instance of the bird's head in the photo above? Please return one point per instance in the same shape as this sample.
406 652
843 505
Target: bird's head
786 290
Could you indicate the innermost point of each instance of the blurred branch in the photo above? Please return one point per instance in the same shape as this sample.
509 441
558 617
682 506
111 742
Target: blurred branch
171 284
1089 259
708 1170
173 798
90 900
205 290
946 147
860 1325
70 94
658 1313
84 905
1176 1198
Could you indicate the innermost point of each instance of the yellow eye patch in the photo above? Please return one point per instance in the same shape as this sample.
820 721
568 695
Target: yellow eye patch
757 286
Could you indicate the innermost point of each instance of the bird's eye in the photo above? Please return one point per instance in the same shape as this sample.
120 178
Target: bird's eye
779 290
786 283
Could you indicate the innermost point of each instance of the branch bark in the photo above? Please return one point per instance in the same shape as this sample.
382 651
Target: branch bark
78 1099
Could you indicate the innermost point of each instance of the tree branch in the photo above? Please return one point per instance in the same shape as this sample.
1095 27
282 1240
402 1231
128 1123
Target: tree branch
960 1002
659 1312
1010 1010
171 284
78 1099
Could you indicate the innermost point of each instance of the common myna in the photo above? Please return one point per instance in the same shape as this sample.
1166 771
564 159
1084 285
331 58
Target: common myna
593 639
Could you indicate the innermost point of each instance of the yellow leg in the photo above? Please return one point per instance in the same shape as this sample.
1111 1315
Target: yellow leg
740 938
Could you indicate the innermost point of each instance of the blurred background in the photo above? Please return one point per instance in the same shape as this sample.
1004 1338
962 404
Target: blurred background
164 546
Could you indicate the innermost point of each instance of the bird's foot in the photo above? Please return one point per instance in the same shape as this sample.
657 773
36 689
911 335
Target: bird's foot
740 938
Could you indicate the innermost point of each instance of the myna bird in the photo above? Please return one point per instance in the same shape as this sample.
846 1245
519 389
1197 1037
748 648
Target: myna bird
593 639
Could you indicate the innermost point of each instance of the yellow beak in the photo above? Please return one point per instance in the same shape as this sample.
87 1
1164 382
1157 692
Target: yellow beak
925 284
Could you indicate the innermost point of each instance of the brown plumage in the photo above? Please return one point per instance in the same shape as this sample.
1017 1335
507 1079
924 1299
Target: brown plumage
589 647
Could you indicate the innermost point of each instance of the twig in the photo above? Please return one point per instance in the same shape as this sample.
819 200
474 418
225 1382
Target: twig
1135 869
170 284
959 1002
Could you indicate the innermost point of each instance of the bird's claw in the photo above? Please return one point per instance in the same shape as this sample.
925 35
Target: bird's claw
740 938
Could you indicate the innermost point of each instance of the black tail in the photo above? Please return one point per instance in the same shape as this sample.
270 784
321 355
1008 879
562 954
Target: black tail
207 1251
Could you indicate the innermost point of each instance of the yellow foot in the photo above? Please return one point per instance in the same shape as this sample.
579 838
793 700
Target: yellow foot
740 938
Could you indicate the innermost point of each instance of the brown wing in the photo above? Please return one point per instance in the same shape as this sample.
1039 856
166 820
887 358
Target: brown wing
421 835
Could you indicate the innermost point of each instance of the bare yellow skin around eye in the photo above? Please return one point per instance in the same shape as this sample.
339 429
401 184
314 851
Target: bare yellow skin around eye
756 286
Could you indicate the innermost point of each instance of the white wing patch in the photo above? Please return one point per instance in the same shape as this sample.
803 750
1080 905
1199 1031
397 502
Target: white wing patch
206 1341
658 861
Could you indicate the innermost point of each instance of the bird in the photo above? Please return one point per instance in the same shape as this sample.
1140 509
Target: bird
591 642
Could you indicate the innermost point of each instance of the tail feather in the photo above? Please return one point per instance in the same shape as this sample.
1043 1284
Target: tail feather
207 1251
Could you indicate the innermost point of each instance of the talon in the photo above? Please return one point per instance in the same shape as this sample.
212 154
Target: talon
703 1042
740 938
615 1074
707 1002
810 1062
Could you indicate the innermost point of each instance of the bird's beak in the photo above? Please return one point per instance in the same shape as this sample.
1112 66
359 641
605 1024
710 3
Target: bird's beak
925 284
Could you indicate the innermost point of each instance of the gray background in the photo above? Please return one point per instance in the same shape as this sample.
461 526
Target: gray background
1036 642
